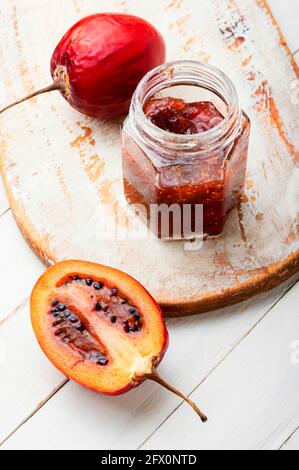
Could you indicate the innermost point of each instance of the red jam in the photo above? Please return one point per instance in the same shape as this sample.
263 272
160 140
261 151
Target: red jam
174 115
215 180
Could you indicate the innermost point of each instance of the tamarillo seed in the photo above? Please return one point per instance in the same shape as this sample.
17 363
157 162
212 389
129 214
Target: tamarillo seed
88 281
114 291
98 358
98 285
61 307
113 319
80 326
98 306
132 310
103 361
54 302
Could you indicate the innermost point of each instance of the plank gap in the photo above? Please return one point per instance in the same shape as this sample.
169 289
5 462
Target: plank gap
14 311
5 212
268 409
43 402
221 361
289 438
60 386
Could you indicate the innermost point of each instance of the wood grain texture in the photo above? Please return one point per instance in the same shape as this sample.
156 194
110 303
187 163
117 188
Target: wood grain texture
129 419
19 268
286 14
252 397
4 206
26 384
293 442
62 171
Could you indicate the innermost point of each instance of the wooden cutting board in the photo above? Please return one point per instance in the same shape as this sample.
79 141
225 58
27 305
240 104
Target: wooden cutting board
62 170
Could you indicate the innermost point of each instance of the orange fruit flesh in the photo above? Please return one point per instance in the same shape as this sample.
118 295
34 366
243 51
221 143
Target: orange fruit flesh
130 353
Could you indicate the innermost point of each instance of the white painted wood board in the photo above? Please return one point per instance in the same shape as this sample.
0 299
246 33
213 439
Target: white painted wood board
19 270
253 394
4 206
58 183
42 374
286 14
197 346
27 377
293 442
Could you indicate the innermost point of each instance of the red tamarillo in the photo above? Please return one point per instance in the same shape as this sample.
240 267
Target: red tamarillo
100 327
99 62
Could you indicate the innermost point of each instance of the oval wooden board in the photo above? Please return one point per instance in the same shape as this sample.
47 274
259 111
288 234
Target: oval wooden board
62 170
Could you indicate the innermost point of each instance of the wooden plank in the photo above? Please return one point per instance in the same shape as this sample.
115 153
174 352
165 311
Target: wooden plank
252 397
39 364
19 268
197 345
65 151
293 442
4 205
287 14
27 377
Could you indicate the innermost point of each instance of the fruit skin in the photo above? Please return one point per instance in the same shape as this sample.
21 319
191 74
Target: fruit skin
90 376
102 59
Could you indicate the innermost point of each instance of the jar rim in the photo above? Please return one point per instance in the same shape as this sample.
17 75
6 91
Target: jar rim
226 130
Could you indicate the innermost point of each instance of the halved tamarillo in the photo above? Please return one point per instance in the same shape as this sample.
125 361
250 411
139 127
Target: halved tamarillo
100 327
99 62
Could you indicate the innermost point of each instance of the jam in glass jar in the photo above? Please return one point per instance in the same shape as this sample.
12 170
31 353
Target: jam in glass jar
185 142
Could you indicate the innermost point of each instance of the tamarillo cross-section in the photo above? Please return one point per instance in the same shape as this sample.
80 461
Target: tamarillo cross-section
100 327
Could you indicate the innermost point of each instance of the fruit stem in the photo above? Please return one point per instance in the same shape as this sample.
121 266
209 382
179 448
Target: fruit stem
157 378
52 87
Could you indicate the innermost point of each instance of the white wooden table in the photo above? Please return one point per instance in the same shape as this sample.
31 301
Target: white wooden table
240 364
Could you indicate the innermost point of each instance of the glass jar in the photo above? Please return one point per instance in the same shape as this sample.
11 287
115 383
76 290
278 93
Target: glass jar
206 168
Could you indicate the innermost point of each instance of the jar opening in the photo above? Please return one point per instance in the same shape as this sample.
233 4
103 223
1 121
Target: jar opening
191 81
